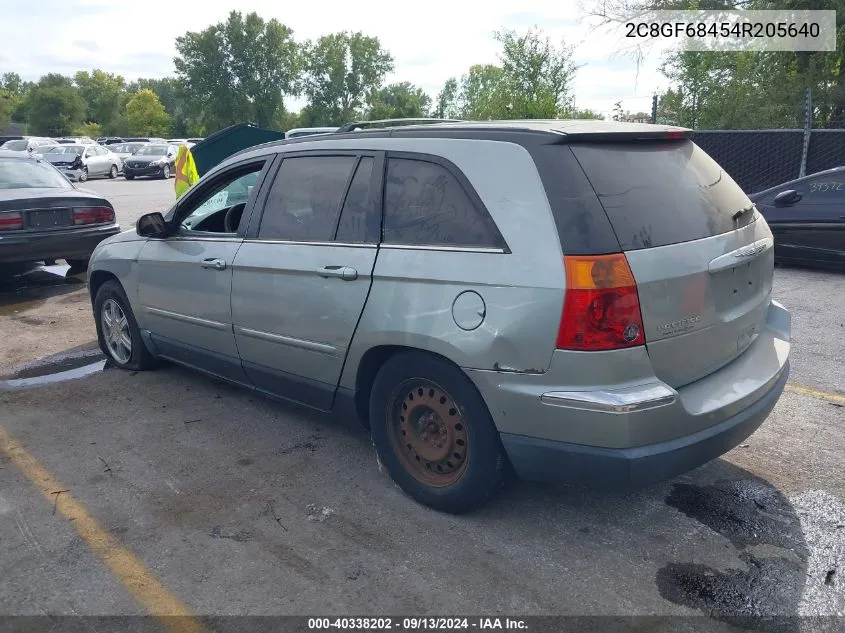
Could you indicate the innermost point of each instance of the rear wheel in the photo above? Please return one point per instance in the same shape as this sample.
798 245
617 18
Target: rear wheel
433 433
113 172
117 330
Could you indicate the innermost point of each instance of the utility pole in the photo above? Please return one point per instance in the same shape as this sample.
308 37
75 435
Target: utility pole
654 108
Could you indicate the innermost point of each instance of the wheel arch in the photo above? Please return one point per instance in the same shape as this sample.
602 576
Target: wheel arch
368 367
96 279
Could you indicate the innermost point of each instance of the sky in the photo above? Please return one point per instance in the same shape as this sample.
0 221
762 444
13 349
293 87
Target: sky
430 41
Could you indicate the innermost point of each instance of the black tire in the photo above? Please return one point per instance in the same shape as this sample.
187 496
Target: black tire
83 175
78 264
129 176
165 172
113 172
483 470
140 357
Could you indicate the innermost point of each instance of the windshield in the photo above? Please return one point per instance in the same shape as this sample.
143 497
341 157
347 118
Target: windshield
152 150
17 145
29 174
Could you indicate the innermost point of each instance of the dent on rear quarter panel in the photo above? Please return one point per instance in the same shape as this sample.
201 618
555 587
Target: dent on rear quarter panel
120 258
410 303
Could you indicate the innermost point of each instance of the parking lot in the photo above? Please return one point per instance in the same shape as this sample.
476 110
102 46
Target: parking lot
168 492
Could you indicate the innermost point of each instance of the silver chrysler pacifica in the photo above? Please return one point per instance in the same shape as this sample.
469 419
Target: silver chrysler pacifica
574 301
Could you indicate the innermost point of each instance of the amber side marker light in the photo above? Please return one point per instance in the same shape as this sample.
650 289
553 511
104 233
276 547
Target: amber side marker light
601 309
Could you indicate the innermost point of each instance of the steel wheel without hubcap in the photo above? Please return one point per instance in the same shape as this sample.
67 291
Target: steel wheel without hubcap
116 331
427 433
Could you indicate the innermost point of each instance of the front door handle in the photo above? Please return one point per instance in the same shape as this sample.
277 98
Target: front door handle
215 263
344 272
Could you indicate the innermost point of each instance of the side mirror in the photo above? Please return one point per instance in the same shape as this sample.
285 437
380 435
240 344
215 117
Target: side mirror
152 225
785 198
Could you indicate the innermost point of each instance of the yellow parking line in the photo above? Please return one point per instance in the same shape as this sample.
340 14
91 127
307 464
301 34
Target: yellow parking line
815 393
122 563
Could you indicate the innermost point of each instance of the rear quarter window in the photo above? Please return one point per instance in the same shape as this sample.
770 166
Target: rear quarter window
425 204
663 192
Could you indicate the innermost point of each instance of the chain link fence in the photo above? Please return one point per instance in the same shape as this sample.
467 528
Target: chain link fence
759 159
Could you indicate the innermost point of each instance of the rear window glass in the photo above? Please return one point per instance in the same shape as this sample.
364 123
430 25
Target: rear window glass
659 193
30 174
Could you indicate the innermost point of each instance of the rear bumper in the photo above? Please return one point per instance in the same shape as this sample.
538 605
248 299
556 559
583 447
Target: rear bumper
604 418
550 461
77 243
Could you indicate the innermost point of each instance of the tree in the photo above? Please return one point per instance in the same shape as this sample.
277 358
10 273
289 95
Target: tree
6 108
238 70
483 94
15 91
341 69
105 95
91 130
447 100
54 106
171 93
619 114
396 101
145 116
536 75
584 113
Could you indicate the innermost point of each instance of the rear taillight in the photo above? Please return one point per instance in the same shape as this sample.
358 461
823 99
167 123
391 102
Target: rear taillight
601 309
93 215
11 220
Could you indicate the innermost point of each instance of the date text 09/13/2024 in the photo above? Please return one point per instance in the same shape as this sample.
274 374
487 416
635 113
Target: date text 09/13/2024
417 623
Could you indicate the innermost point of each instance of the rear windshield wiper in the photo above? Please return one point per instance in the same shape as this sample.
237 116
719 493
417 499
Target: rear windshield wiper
736 216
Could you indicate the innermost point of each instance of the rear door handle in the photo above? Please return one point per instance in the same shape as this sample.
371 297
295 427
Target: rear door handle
344 272
215 263
741 255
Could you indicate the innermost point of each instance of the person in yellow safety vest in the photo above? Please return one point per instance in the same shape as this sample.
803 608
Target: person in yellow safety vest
186 171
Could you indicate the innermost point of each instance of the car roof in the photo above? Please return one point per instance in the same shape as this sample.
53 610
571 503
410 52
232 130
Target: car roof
558 130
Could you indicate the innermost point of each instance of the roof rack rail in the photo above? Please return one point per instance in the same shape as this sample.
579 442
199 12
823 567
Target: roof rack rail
383 123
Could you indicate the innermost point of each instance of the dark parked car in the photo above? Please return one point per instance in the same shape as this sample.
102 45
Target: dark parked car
109 140
151 160
43 216
807 218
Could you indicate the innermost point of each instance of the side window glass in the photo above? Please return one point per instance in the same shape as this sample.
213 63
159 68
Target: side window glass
424 204
824 188
304 201
219 209
359 219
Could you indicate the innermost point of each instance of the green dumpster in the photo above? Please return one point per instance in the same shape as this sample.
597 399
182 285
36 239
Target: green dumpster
219 146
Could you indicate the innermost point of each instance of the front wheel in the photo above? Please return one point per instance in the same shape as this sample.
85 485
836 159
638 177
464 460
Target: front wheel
113 172
83 175
434 434
129 176
117 330
165 172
